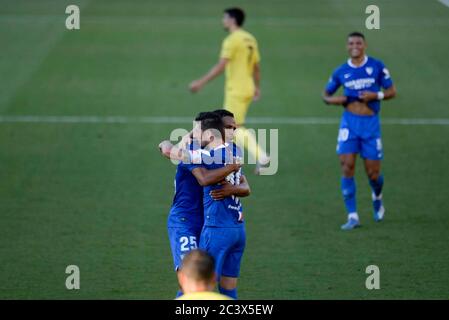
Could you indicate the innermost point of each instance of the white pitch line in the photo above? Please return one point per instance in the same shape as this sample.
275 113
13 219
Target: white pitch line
445 2
93 119
179 120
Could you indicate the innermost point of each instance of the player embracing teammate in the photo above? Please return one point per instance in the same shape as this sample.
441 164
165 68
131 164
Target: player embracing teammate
209 171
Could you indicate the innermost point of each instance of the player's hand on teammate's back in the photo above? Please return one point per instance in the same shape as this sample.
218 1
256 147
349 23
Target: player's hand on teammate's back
226 190
367 96
195 86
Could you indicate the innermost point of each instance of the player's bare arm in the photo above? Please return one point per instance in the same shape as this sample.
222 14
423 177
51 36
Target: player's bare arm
204 176
170 151
216 70
367 96
227 189
207 177
176 152
256 76
335 100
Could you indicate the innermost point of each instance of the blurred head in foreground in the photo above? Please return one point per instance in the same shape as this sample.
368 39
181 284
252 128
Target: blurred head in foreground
197 277
197 273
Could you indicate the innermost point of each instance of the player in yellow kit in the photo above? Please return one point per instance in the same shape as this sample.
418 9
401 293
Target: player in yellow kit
240 57
197 277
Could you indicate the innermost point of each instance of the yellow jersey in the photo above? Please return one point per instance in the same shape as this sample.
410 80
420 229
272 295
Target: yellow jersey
205 295
240 48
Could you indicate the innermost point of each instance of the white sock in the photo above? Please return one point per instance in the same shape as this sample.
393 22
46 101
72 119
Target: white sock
353 215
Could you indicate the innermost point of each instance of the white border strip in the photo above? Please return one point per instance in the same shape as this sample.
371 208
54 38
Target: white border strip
179 120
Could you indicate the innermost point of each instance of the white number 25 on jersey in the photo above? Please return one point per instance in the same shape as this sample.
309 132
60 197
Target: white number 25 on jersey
188 243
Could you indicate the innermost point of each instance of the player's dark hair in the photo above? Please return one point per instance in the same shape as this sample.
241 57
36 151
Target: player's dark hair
238 14
198 265
203 115
211 120
356 34
223 113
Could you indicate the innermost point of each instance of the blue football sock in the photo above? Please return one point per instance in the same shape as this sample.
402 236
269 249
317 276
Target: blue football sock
376 185
230 293
179 293
348 190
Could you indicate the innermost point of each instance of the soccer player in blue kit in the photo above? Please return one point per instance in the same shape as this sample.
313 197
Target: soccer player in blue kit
362 78
223 235
186 217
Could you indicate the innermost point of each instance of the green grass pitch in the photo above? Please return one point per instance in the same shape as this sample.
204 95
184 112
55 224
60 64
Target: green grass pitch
97 194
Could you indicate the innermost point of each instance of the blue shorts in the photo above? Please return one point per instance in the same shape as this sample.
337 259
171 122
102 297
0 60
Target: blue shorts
182 240
226 245
360 134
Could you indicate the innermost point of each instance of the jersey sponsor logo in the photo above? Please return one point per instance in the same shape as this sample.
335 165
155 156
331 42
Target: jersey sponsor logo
360 83
234 207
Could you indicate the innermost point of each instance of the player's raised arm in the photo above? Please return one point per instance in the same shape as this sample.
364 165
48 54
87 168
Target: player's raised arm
170 151
178 151
241 190
207 177
216 70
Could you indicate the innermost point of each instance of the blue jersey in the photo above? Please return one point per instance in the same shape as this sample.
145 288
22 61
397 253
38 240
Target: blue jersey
226 212
372 75
187 207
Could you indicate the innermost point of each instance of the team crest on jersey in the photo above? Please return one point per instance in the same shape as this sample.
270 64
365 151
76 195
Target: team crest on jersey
369 70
